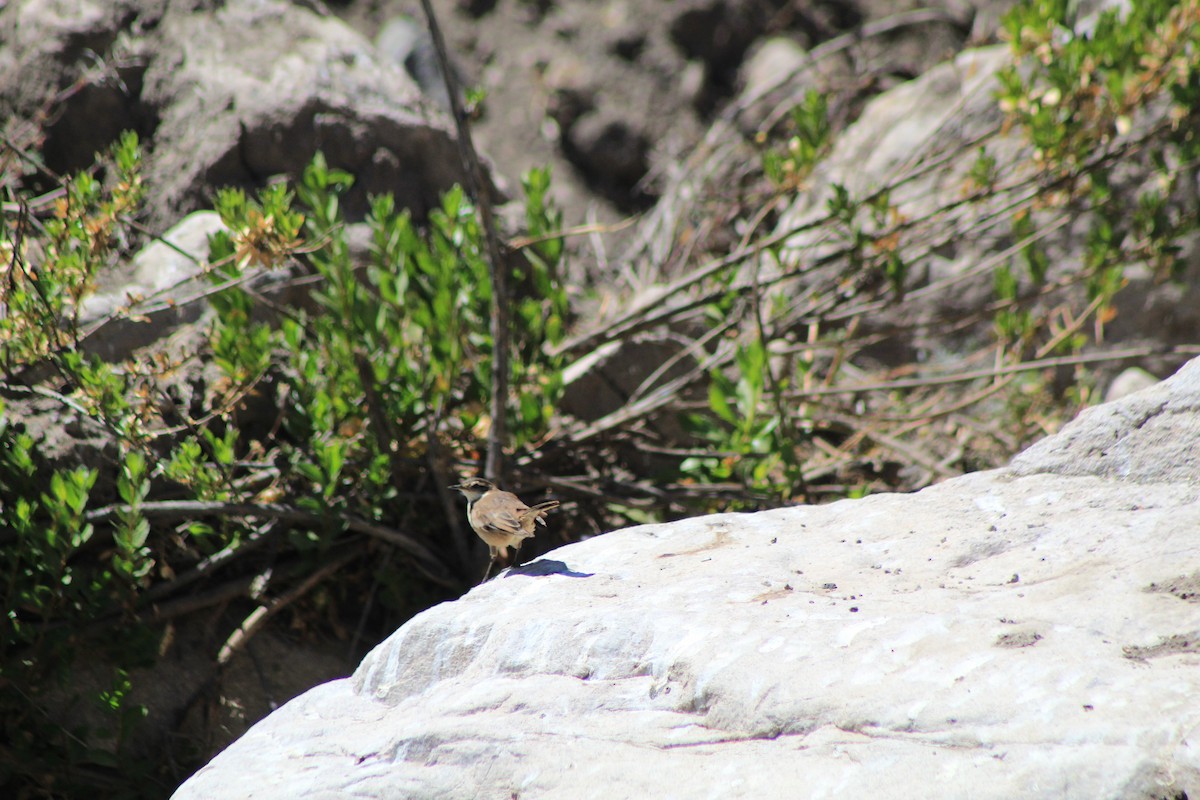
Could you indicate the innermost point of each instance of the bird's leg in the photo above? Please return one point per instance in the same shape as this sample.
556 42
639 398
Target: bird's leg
491 563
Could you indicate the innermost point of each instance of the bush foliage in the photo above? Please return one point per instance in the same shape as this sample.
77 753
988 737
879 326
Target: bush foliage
378 386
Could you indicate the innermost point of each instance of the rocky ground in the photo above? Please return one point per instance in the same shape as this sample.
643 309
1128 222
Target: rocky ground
615 95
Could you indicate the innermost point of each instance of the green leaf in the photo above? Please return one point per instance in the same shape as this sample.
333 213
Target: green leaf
719 403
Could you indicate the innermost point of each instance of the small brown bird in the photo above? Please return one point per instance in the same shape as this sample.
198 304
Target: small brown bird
499 517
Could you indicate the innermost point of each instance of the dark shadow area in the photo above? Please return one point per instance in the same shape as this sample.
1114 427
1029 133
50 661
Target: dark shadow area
545 566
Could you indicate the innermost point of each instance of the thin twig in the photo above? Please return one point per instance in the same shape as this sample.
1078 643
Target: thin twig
207 566
32 159
188 604
424 560
588 229
259 616
497 267
992 372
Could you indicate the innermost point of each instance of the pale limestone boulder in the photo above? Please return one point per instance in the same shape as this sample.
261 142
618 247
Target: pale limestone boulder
1028 632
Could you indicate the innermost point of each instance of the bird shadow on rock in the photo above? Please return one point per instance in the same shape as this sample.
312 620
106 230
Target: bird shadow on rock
545 566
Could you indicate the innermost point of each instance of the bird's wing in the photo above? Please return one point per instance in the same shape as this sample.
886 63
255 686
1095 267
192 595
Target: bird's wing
502 522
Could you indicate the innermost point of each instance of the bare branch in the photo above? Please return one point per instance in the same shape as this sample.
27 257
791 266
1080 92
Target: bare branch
478 188
424 560
259 616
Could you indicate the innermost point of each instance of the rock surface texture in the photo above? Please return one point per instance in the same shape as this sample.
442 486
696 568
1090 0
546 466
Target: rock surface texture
1027 632
223 94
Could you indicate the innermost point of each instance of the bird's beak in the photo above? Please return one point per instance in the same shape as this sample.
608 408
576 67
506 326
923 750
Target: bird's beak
455 486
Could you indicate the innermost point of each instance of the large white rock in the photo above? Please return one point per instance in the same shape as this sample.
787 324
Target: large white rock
1028 632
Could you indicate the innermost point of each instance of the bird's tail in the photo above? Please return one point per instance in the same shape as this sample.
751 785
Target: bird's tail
539 510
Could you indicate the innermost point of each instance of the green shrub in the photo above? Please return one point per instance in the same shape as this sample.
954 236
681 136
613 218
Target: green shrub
1090 104
378 386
